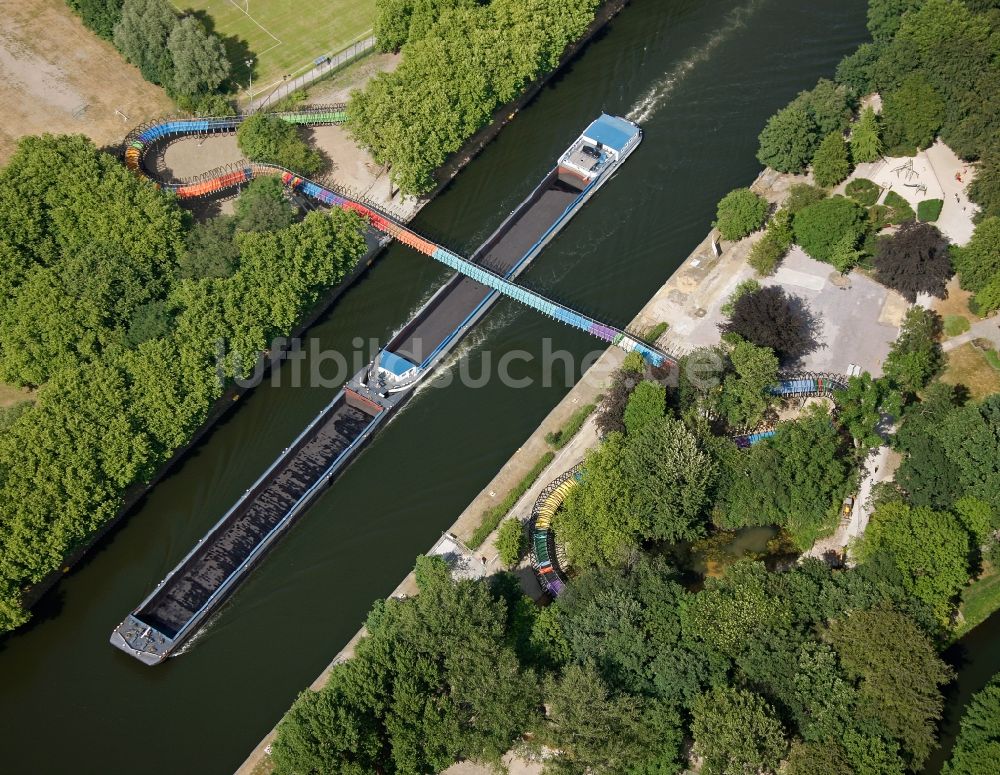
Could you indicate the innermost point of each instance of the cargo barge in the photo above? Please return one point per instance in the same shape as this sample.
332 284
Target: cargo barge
189 594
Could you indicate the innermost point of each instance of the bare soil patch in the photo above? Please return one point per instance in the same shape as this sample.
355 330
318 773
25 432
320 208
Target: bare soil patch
57 76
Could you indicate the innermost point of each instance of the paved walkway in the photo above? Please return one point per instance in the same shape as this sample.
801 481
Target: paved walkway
986 329
289 87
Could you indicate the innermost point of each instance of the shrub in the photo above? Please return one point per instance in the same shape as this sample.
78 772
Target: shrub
900 210
740 212
511 542
821 227
955 325
831 163
561 437
768 251
863 191
929 209
801 195
653 333
879 216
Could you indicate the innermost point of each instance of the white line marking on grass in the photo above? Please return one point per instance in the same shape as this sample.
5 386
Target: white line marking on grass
266 30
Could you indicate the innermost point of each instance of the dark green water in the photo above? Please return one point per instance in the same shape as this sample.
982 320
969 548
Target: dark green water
711 72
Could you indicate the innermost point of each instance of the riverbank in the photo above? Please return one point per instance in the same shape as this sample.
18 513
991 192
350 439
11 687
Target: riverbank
702 282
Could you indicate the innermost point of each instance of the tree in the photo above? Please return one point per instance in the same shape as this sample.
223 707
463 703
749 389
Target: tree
265 137
736 731
646 404
857 70
977 748
884 17
767 252
830 162
740 212
820 227
433 681
99 15
653 484
978 262
670 478
845 254
611 414
141 36
818 759
866 137
199 60
511 542
860 407
744 396
985 189
930 548
771 318
795 480
915 356
788 140
914 260
898 673
212 251
911 116
263 206
830 106
596 730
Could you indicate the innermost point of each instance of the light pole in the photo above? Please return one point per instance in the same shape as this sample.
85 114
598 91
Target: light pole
248 63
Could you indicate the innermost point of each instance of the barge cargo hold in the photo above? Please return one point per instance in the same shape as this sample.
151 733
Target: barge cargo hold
181 603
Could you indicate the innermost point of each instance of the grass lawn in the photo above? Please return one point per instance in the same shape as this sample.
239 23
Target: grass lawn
283 36
968 366
979 600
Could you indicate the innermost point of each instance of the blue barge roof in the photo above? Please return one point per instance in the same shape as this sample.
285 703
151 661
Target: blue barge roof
612 131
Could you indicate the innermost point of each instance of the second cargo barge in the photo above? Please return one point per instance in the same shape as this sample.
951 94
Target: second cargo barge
181 603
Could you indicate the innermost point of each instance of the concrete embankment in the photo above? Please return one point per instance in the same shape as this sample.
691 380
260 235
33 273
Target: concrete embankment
701 282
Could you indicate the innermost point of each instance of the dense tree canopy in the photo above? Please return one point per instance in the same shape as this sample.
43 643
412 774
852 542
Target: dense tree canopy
127 366
866 137
87 244
434 681
99 15
796 479
736 731
977 748
930 548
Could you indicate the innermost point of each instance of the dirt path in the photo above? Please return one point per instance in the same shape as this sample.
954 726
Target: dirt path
57 76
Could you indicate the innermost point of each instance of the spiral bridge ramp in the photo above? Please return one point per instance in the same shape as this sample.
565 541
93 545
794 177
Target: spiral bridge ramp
140 140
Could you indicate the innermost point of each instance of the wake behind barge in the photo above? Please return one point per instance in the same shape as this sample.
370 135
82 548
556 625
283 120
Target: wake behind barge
182 602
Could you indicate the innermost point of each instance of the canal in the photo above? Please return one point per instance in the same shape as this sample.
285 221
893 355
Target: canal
702 76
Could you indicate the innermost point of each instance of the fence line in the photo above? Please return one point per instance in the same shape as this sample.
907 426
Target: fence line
292 85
